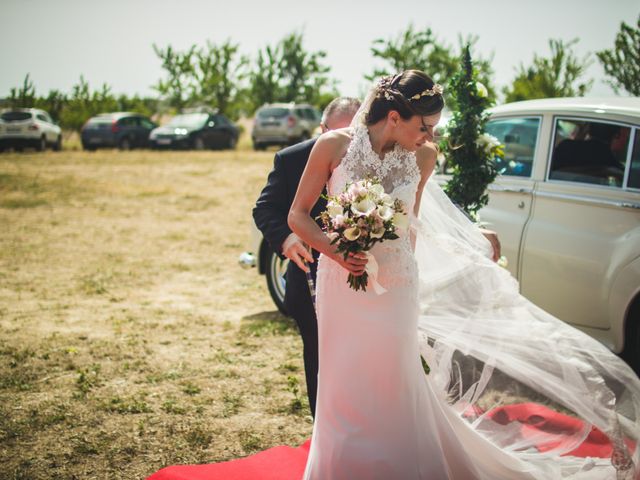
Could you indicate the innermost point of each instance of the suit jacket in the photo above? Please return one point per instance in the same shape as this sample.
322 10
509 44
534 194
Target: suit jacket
272 209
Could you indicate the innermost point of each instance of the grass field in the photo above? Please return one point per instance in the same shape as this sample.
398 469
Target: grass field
130 339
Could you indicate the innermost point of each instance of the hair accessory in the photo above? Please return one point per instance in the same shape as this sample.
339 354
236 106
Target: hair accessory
429 92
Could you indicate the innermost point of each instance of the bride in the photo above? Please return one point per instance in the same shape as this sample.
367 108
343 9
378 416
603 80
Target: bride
492 354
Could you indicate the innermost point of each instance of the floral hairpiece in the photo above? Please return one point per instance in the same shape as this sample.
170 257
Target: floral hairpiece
429 92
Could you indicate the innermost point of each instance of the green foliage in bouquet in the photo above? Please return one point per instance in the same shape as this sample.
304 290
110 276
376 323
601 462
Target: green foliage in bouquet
470 153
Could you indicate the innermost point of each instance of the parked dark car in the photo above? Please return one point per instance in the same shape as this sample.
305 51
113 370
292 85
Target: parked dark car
197 130
123 130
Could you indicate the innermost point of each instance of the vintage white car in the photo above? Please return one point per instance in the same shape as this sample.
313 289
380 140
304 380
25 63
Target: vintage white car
566 206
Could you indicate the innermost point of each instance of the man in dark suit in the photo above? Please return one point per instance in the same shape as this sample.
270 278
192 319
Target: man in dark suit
270 215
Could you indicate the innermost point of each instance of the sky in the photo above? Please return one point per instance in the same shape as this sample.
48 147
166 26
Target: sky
112 41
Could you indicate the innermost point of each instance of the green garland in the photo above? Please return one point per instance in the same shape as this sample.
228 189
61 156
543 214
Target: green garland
470 153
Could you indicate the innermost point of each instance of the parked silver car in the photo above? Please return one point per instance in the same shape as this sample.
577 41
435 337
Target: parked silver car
284 124
566 207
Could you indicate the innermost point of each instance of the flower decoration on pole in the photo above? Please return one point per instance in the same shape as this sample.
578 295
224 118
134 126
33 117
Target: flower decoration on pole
469 151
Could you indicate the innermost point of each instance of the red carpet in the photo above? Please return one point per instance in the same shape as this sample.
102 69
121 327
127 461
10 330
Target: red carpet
287 463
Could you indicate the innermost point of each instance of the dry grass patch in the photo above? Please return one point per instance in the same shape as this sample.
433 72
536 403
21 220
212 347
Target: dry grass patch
129 337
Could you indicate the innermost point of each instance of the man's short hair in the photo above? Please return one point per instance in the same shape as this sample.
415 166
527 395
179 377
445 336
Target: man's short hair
340 106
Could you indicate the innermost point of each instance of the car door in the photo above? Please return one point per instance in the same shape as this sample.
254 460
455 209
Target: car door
510 196
584 227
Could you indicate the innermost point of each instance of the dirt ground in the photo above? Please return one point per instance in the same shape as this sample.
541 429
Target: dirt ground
130 339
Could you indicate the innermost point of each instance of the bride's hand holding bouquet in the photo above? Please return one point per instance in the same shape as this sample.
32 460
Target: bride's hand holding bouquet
355 221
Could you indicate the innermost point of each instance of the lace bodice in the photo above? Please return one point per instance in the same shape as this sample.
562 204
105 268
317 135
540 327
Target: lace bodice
399 174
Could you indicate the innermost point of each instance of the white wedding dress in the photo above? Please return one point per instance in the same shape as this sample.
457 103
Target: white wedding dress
379 416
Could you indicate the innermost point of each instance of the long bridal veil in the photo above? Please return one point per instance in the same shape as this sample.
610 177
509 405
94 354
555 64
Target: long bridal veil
491 351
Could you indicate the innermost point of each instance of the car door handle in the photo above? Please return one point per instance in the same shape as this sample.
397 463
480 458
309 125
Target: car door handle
521 205
500 188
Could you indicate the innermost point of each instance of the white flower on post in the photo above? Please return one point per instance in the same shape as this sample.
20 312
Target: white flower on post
334 209
482 90
363 207
385 212
487 143
401 220
352 233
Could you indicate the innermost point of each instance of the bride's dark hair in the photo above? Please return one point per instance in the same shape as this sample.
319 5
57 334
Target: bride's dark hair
409 93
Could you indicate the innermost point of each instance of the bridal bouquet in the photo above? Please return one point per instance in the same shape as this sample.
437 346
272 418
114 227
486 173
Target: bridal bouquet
360 217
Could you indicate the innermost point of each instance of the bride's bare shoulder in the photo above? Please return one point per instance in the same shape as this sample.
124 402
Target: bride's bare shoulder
333 145
426 158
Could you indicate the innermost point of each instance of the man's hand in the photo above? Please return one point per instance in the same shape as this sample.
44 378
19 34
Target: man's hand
495 243
295 250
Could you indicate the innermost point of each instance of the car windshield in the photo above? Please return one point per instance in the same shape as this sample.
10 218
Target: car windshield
189 120
275 112
15 116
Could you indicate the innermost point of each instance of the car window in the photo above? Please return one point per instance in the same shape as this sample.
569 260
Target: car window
127 122
587 151
519 136
634 171
40 116
15 116
221 120
146 123
189 120
275 112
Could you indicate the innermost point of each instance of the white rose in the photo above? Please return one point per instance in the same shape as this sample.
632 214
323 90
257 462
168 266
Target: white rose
482 90
386 199
385 212
352 233
334 209
338 221
401 220
363 207
376 190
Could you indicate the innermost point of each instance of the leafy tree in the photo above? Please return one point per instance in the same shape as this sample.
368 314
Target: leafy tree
421 50
468 150
623 61
289 73
218 72
23 97
83 104
179 81
556 76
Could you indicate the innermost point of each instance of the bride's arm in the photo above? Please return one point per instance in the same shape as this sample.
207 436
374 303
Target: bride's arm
325 156
426 159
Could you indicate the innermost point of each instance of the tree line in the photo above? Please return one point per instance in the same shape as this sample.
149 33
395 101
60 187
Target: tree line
220 76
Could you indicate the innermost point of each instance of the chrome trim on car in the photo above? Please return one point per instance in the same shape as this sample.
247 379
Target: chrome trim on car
500 188
589 200
627 167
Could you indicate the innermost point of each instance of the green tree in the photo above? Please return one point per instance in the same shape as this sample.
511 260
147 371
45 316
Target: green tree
23 97
560 75
467 149
218 75
623 61
421 50
179 82
289 73
84 103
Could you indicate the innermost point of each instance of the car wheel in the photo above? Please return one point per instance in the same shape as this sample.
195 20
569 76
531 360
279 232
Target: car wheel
42 144
198 143
259 146
58 145
276 281
125 144
631 353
